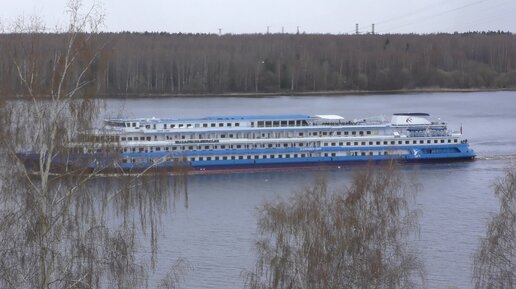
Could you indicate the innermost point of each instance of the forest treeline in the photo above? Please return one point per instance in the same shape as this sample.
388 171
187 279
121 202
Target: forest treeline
162 63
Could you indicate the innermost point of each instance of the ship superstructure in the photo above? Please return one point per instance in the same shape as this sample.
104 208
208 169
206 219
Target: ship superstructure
280 141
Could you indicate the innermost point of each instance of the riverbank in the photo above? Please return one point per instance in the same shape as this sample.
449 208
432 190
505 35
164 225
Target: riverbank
303 93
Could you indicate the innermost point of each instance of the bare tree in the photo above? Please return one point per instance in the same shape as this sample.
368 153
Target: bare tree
355 238
61 225
494 263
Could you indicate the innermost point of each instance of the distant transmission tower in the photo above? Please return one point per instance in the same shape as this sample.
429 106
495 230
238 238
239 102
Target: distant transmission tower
220 31
372 29
356 28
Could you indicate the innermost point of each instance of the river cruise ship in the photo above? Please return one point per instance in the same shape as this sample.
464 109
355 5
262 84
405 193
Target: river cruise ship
280 141
239 143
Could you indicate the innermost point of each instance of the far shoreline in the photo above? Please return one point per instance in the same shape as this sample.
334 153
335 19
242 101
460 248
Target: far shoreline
342 93
300 93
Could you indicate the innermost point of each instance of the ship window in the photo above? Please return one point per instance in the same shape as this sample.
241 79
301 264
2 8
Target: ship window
333 154
123 138
370 153
333 144
340 143
368 132
291 123
370 143
201 158
268 123
314 133
240 157
295 155
134 124
221 124
346 133
248 157
348 143
222 136
363 143
325 144
216 158
232 157
400 142
148 138
147 126
455 140
208 158
442 141
324 133
407 142
272 156
361 132
303 155
237 124
275 123
164 125
283 123
180 125
158 149
414 141
238 146
213 124
421 141
142 138
378 143
355 143
363 153
435 141
353 132
204 125
230 135
228 124
270 145
393 142
256 157
338 133
172 125
449 141
260 124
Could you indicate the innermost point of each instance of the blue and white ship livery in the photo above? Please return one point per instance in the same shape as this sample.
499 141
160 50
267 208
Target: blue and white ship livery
282 141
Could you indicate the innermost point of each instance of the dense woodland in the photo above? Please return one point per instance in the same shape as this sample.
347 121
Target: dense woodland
162 63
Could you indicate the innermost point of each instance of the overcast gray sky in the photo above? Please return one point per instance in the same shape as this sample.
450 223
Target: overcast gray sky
251 16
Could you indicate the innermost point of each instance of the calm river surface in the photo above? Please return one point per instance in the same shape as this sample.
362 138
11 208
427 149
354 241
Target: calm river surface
216 233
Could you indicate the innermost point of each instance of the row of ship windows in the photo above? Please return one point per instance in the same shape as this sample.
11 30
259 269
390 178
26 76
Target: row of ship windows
250 135
263 156
280 145
282 123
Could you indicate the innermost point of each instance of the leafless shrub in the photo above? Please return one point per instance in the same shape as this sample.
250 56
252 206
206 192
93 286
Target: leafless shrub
61 225
354 238
494 264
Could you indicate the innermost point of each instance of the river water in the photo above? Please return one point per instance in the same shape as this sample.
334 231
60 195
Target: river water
216 233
